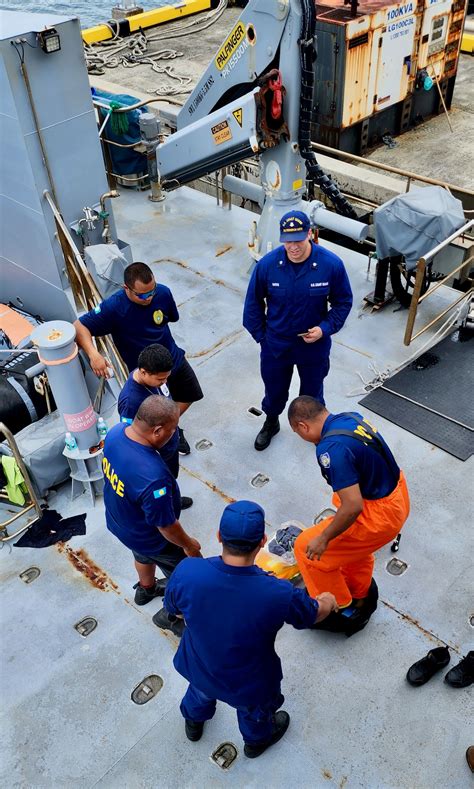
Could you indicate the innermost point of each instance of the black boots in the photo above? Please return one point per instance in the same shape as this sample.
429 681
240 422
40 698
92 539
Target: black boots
270 428
281 721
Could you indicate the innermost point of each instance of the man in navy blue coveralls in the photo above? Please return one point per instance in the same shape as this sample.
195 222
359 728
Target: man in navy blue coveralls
286 311
233 611
136 316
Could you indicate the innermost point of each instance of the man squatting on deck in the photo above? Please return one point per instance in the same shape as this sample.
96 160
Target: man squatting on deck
136 316
371 496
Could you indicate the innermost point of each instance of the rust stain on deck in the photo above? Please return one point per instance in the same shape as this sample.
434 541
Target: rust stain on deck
326 774
198 273
222 251
83 563
210 485
427 633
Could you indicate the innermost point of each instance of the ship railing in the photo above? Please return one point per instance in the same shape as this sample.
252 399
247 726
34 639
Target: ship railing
31 506
84 289
417 298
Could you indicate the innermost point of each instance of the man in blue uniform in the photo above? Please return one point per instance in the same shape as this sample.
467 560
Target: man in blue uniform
142 499
149 378
372 502
136 316
233 611
286 311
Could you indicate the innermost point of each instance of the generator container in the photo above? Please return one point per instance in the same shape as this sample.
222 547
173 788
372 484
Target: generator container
377 66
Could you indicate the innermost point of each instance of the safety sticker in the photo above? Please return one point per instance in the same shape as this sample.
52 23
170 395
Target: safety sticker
325 460
159 493
238 116
221 132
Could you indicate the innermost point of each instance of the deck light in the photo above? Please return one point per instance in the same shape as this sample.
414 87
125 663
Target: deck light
49 40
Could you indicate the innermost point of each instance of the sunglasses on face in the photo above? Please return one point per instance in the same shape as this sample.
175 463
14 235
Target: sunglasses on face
143 296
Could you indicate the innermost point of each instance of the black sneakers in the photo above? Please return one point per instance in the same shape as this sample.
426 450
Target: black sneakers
193 729
281 721
270 428
166 621
353 618
144 596
462 675
186 502
422 671
183 446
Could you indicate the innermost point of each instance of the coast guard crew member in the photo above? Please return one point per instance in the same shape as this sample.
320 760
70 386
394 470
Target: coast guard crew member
136 316
233 611
149 378
372 502
286 311
142 498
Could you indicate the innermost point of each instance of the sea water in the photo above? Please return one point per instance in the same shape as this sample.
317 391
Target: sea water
89 12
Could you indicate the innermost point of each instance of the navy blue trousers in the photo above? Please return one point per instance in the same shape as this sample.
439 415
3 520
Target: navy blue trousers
277 371
255 723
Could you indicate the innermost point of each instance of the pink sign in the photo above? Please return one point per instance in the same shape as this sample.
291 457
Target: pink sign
77 423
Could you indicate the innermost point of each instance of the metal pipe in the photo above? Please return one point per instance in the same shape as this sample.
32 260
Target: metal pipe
388 168
420 274
105 215
245 189
448 240
38 130
441 315
340 224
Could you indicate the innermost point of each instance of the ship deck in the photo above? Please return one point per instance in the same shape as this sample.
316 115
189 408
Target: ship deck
68 717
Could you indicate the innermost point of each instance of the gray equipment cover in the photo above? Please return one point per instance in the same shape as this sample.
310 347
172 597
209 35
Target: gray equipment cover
413 223
106 264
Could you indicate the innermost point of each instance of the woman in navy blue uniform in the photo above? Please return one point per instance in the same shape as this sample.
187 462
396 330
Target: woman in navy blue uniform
286 311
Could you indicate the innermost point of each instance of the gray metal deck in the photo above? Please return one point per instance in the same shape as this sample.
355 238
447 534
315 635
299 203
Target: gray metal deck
68 717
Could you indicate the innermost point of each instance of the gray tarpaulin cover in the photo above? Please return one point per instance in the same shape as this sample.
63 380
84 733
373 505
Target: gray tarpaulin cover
106 264
413 223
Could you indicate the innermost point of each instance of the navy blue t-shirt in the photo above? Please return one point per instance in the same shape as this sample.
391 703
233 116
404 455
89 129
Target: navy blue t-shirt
233 615
346 461
130 399
140 494
134 326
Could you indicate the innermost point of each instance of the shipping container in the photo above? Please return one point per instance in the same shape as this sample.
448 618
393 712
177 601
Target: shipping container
377 67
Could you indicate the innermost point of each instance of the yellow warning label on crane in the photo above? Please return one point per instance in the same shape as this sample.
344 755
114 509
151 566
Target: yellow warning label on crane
230 45
238 116
221 132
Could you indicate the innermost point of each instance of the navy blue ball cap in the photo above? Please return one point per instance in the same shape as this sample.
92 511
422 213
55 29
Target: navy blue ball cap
242 522
294 226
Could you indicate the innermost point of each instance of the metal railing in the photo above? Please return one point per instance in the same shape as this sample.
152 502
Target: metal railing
417 299
32 504
84 289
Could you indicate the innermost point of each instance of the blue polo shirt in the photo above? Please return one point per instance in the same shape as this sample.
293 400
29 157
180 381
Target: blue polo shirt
134 326
233 615
140 494
130 399
285 299
346 461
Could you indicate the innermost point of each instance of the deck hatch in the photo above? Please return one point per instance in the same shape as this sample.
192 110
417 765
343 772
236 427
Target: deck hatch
225 755
203 444
85 626
396 567
259 480
253 411
147 689
30 575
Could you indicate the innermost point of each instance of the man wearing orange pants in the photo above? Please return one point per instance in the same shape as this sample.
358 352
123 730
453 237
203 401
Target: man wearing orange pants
372 502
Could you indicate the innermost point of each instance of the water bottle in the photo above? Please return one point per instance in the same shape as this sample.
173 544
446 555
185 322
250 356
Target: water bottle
101 428
70 442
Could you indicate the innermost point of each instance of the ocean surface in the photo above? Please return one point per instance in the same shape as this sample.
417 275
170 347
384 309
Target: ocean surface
90 13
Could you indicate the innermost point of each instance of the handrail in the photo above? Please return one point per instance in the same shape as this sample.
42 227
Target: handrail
389 168
417 298
31 493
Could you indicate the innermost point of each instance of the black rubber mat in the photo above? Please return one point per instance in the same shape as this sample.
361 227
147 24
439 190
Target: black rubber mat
443 380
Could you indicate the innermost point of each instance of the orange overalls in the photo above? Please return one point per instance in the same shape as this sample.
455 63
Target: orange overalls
346 566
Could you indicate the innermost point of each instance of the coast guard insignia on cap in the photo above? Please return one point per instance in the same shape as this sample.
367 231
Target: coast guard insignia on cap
325 460
159 493
158 317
